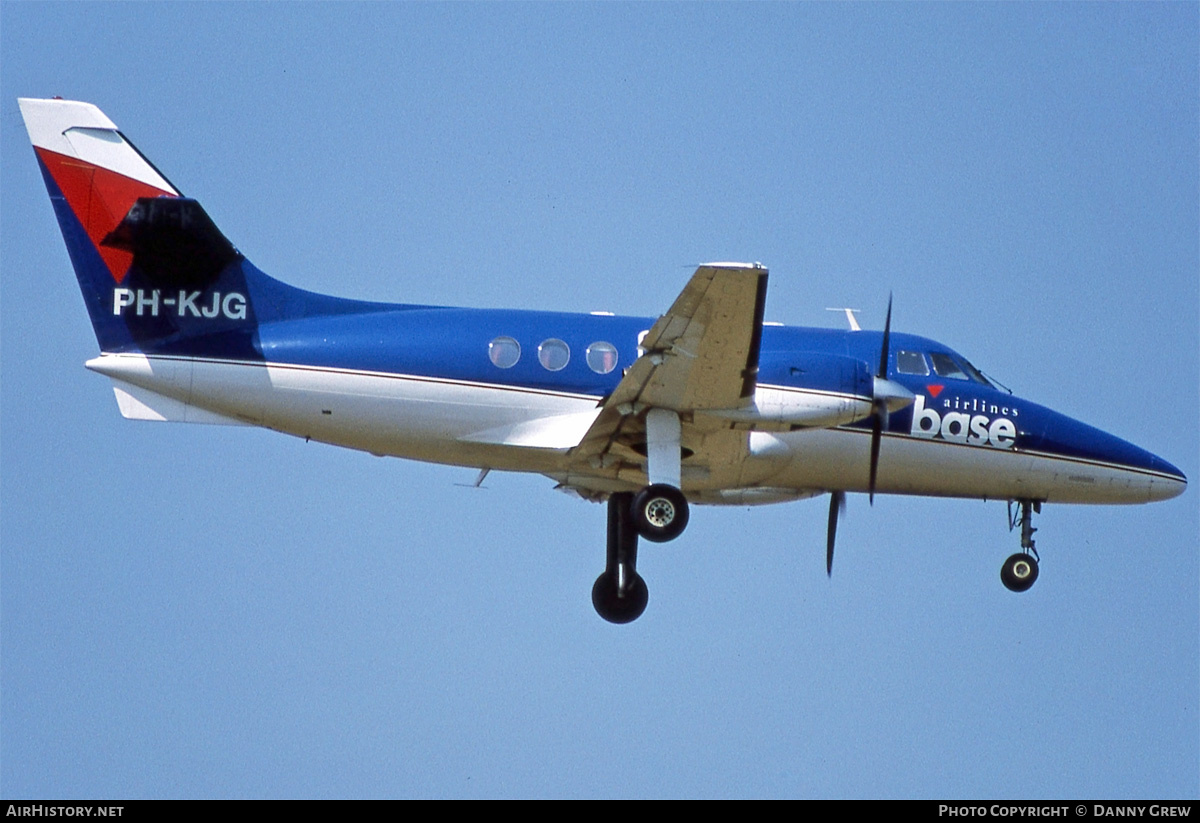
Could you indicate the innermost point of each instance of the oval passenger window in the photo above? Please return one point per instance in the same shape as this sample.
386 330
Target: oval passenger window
602 357
504 352
554 354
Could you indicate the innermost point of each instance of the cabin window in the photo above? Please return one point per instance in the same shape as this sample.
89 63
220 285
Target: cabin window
554 354
602 357
504 352
945 366
911 362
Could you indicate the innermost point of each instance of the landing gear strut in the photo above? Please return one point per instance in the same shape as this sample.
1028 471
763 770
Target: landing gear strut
660 511
1020 571
620 594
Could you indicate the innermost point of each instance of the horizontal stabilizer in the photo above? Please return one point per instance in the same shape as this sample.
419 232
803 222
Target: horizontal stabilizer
137 403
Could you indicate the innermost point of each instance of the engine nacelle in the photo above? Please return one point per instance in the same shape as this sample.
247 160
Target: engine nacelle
809 390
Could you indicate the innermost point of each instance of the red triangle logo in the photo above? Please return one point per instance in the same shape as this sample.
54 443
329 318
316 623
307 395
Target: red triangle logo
935 390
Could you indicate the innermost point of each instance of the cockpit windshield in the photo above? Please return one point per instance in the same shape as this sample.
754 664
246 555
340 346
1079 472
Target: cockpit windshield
911 362
946 366
974 373
949 366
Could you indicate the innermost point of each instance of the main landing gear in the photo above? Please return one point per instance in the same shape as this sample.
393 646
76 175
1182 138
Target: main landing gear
620 594
1020 571
659 513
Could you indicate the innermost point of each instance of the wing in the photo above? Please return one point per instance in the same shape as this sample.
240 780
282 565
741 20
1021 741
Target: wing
701 355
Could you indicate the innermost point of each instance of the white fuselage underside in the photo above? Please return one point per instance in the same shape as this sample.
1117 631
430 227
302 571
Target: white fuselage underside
512 428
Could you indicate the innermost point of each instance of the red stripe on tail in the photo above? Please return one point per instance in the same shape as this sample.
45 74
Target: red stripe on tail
100 199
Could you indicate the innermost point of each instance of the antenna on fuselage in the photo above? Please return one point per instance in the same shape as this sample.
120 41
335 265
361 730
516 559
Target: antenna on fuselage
478 484
850 318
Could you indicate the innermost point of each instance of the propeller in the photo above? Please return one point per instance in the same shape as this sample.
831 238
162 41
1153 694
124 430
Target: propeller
887 396
880 411
837 506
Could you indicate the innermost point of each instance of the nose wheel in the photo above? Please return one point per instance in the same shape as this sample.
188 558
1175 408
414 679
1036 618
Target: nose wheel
1020 571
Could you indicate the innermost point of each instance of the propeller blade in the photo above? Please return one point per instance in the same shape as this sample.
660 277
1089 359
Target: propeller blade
837 505
880 413
887 333
876 439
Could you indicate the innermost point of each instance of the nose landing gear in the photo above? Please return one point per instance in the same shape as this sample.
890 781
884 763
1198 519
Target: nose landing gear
1020 571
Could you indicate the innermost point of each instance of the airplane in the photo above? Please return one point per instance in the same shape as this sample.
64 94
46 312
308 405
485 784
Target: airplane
706 404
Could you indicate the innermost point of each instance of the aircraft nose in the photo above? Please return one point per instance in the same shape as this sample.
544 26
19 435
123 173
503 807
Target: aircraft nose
1172 485
1159 479
1134 474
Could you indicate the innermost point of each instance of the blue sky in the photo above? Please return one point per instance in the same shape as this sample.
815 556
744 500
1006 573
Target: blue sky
207 611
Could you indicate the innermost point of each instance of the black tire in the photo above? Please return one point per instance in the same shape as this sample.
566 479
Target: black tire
660 513
616 606
1019 572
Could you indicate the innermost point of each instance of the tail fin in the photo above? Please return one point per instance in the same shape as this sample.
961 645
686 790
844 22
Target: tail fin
155 272
92 169
146 258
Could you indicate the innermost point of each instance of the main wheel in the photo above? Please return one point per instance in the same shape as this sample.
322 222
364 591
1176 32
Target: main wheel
618 606
660 512
1019 572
